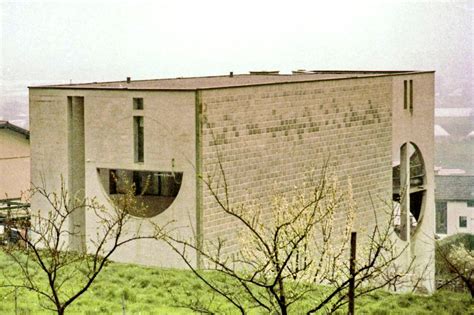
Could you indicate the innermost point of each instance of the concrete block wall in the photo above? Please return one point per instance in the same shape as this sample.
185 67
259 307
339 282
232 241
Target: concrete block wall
271 136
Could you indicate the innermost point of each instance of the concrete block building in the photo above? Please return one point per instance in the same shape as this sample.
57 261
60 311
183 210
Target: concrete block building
376 127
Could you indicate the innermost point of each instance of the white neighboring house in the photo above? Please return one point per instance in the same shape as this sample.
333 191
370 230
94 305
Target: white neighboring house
14 174
14 160
454 204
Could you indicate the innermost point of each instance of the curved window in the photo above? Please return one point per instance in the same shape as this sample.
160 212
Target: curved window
155 189
408 189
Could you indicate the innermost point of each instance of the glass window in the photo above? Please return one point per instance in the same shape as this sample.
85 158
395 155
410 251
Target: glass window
462 221
441 217
165 184
408 95
138 135
405 94
138 103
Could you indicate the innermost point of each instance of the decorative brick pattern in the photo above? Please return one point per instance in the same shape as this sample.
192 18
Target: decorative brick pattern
272 136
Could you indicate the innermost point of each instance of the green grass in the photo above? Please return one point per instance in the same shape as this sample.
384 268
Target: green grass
161 291
441 302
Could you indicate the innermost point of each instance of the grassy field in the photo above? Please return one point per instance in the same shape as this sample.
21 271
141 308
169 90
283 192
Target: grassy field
161 291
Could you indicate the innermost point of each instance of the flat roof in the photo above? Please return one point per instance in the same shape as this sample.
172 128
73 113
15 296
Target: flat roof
225 81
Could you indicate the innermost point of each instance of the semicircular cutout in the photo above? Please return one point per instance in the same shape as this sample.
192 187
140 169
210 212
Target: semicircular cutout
155 189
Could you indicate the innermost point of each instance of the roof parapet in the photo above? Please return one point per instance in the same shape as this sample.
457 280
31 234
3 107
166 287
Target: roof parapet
265 72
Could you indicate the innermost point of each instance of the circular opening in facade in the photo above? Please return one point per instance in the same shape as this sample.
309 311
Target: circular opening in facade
409 177
156 190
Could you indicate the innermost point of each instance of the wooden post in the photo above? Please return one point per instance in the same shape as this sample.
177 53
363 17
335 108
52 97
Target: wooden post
352 272
8 226
123 303
16 301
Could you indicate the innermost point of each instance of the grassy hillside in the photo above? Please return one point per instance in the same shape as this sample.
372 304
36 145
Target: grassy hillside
160 291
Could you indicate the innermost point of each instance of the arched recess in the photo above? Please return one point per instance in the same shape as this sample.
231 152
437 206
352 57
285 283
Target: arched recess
155 189
409 192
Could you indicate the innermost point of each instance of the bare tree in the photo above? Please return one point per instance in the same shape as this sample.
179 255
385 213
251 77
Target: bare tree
296 250
49 267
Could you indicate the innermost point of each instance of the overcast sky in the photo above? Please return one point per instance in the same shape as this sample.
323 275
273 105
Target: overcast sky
98 40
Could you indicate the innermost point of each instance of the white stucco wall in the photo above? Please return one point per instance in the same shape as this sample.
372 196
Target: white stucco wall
108 123
14 164
454 211
417 127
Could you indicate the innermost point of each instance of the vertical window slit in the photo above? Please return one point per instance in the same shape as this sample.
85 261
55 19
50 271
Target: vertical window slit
405 94
138 138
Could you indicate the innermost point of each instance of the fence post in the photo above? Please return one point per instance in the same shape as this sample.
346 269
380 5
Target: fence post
123 303
16 301
352 272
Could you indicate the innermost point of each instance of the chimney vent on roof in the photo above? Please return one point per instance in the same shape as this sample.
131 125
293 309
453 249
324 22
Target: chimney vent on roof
231 74
128 79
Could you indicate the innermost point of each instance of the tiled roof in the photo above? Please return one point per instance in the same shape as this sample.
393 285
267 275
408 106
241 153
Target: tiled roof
213 82
454 187
6 125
